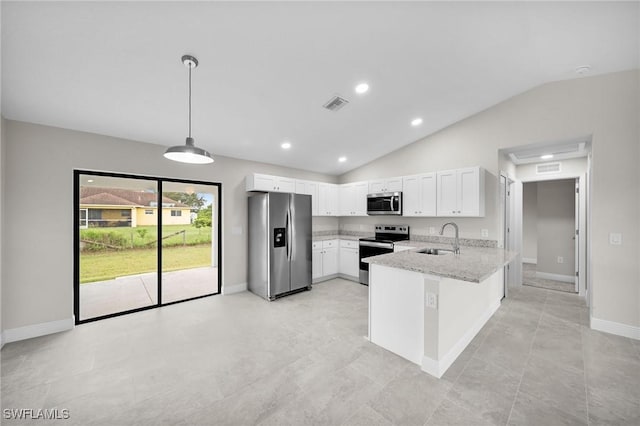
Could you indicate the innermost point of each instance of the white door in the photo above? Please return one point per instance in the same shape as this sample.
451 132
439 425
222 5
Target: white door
393 184
264 182
345 197
447 204
286 185
468 192
330 261
376 186
316 263
411 196
359 201
576 239
427 185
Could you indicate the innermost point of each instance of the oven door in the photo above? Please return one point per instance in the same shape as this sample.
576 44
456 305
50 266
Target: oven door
368 249
384 204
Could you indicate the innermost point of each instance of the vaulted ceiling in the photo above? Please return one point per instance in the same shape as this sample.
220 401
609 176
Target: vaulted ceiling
267 68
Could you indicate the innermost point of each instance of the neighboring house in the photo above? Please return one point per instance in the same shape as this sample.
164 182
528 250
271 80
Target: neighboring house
102 207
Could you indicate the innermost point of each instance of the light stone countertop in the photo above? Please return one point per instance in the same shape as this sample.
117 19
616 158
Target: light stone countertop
335 237
473 264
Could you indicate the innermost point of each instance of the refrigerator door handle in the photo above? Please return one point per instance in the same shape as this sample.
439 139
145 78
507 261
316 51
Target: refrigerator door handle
288 232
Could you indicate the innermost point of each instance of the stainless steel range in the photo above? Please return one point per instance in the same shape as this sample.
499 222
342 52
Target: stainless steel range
382 243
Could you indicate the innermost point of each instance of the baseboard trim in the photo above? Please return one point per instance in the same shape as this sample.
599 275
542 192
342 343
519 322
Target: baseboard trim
531 260
438 367
617 328
232 289
349 278
37 330
324 278
556 277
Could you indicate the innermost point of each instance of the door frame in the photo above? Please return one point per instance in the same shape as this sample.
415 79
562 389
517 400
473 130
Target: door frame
76 240
582 226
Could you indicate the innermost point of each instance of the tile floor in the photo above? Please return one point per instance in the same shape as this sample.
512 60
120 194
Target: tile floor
529 278
238 360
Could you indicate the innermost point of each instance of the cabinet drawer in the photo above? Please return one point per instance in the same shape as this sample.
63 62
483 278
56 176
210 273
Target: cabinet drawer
316 245
329 243
348 244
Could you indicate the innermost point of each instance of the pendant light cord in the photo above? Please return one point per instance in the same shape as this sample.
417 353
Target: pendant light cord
190 100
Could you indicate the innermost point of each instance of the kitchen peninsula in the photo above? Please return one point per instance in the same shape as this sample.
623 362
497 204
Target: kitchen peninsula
428 307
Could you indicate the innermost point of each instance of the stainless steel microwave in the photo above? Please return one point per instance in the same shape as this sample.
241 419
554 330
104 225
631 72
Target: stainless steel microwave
384 203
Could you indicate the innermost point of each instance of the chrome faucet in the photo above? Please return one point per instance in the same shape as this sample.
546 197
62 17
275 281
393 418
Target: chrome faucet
456 242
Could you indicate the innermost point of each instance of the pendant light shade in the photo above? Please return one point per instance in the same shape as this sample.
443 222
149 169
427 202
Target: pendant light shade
189 153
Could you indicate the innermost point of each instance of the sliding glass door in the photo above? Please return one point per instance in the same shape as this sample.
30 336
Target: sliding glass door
143 242
189 255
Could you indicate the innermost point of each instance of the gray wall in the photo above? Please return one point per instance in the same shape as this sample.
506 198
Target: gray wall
556 226
38 270
606 107
530 220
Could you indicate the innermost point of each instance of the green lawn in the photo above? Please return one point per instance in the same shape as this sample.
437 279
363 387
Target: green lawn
144 236
107 265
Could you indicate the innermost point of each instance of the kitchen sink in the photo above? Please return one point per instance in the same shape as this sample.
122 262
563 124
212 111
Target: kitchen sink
435 251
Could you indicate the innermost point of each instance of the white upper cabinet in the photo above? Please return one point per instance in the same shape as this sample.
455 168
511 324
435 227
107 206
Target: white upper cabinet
419 195
327 199
353 199
460 192
268 183
307 187
385 185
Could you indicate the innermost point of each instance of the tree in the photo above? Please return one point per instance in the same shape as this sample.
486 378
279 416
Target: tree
204 217
192 200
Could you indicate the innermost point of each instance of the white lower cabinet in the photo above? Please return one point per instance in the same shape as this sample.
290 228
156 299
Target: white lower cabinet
324 262
349 258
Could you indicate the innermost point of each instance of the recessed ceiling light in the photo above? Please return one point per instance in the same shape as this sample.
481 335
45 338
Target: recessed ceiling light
416 122
342 159
583 69
546 157
362 88
90 181
286 145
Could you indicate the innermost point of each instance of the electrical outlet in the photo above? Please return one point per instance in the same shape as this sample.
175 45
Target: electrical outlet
560 259
484 232
432 230
432 300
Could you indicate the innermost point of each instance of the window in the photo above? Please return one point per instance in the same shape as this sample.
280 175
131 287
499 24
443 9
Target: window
84 223
125 261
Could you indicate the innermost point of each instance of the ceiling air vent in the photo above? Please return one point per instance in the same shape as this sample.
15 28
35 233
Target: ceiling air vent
335 103
547 168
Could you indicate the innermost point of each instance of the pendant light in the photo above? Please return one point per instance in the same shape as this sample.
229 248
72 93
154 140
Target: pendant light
189 153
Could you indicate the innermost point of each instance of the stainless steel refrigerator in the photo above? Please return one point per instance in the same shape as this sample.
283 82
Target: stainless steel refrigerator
279 244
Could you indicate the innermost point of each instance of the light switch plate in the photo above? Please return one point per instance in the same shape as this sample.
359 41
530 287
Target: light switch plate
432 230
615 239
484 232
560 259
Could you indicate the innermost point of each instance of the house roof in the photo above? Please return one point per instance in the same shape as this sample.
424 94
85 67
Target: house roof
123 197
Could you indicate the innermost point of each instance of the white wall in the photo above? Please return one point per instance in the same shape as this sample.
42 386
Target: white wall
530 222
556 227
605 107
38 270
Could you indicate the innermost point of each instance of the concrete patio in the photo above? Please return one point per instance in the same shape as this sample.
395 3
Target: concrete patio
137 291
